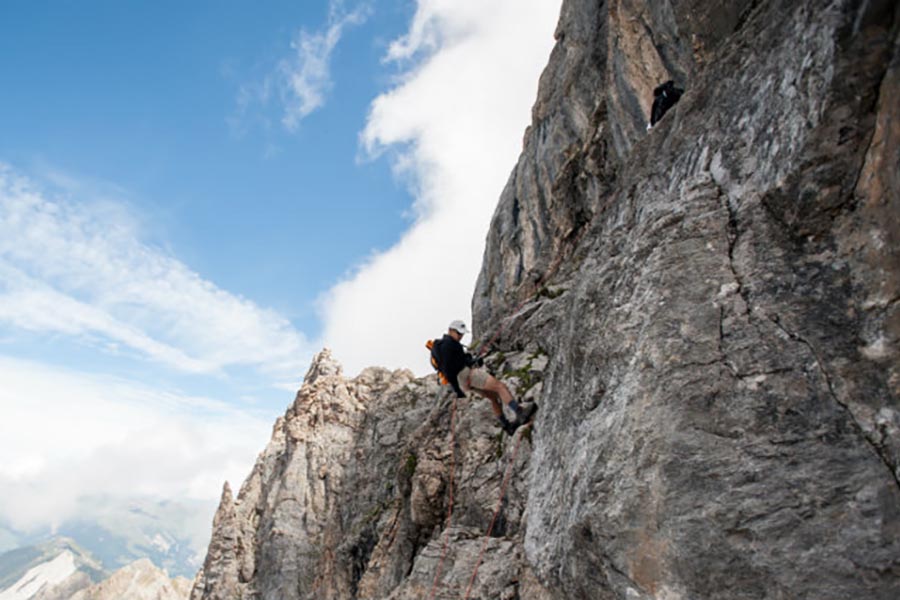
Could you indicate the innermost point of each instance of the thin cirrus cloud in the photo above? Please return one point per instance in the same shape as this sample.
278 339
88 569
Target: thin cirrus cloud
453 128
306 76
80 269
298 84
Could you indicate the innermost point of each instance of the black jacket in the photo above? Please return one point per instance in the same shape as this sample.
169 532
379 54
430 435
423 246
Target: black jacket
665 96
452 358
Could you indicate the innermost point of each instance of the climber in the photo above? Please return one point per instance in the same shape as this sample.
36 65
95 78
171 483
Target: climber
465 372
664 97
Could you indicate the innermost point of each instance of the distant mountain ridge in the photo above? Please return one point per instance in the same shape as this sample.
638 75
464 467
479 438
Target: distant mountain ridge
117 533
27 573
8 539
60 569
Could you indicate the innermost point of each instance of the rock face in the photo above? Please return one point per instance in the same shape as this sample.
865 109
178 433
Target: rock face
349 498
708 314
719 418
141 580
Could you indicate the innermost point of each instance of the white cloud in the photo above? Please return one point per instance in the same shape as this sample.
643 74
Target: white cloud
295 86
454 124
306 77
80 269
66 437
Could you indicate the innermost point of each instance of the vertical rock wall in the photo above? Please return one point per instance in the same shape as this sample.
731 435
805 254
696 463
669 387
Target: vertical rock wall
720 414
706 312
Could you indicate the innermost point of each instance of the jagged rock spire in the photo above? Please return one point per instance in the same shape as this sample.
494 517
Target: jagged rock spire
323 365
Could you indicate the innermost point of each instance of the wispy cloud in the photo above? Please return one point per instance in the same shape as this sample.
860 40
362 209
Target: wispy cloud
453 126
306 76
299 83
79 267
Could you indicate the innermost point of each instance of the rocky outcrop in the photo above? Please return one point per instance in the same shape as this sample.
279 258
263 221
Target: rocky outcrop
350 496
141 580
707 314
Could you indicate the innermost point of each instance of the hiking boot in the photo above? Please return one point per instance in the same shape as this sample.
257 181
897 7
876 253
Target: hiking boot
524 412
509 428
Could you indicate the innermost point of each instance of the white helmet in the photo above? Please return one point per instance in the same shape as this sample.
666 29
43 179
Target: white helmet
458 326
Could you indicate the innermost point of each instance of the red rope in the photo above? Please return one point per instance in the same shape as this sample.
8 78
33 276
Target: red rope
551 270
487 535
437 576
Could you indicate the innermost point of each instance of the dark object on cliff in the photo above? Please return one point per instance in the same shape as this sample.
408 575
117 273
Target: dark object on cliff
524 416
524 412
665 96
506 425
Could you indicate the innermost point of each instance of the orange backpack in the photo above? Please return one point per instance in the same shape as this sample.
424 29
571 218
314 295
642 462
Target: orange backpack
432 347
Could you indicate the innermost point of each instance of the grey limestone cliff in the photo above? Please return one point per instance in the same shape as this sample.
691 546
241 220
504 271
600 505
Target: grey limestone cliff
349 498
708 314
720 413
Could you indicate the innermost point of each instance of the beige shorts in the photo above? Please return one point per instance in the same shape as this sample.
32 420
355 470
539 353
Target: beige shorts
473 378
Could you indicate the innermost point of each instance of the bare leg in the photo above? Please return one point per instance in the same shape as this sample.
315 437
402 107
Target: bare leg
494 397
495 402
495 391
499 389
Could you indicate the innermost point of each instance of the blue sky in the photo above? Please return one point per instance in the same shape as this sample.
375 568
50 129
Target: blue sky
195 197
146 97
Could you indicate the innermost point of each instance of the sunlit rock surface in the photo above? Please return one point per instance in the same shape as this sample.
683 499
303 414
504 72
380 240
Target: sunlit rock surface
708 314
140 580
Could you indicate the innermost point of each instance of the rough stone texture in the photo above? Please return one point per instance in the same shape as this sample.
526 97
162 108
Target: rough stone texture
141 580
350 497
720 413
707 314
